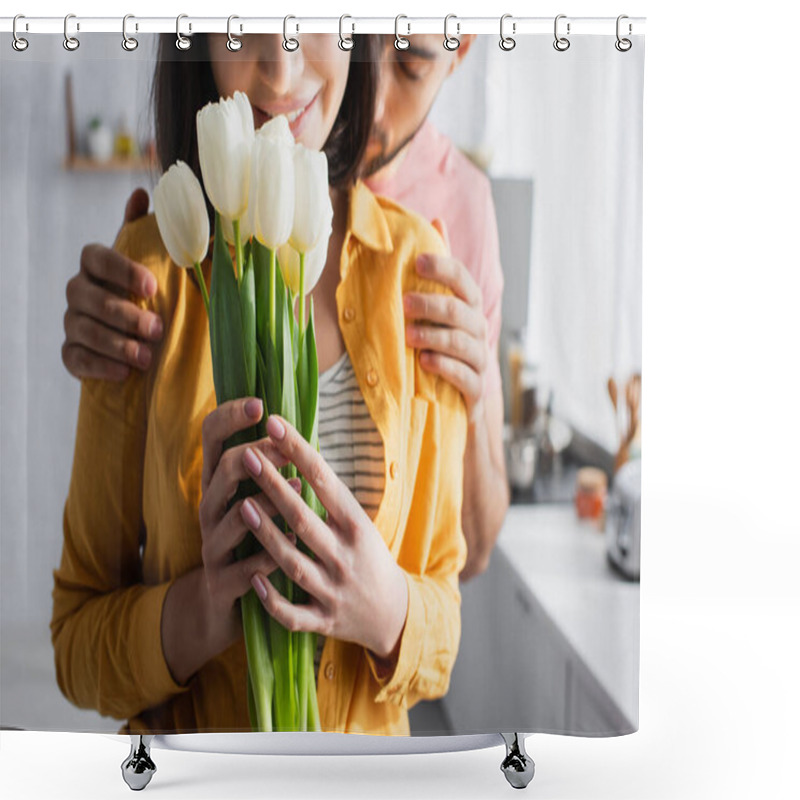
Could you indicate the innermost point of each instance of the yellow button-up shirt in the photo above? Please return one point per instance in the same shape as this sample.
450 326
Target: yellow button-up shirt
131 518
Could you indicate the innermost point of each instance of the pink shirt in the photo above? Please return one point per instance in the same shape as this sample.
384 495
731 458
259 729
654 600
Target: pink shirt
439 182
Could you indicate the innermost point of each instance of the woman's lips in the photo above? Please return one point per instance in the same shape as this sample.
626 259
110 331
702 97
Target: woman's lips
295 117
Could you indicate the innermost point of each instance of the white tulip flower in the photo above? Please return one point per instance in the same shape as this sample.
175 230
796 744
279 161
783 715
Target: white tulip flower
312 201
225 140
181 215
245 227
272 183
314 262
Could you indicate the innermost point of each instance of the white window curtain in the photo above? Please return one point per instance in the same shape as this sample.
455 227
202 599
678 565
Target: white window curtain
565 121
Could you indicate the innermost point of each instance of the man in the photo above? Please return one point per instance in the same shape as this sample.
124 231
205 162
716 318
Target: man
412 163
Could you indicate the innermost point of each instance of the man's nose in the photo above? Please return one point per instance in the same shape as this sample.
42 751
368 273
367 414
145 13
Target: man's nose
278 68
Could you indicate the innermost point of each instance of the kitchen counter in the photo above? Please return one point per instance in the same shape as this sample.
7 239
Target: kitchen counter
550 633
563 564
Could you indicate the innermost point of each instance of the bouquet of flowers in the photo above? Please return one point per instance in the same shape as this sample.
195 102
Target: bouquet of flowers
272 207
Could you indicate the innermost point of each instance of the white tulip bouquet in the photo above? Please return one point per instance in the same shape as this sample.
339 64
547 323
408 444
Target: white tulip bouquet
272 205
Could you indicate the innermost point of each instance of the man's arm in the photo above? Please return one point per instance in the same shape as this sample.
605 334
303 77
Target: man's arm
457 347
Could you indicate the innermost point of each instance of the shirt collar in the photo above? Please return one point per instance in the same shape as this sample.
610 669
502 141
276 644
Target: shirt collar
368 221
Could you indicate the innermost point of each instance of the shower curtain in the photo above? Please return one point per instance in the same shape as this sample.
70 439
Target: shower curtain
478 341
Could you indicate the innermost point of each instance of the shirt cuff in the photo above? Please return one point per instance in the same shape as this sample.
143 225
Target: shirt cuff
149 665
396 684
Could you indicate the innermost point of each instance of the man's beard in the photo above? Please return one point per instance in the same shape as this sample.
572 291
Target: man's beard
384 157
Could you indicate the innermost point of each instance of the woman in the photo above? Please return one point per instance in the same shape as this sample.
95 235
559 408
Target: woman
146 624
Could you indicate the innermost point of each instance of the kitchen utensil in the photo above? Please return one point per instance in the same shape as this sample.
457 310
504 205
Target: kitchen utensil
624 520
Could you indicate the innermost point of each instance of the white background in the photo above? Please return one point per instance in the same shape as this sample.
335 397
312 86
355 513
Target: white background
720 685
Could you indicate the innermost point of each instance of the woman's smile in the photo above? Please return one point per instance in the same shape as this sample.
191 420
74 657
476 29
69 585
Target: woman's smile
296 112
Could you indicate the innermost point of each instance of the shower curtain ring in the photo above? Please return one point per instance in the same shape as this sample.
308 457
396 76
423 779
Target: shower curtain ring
400 42
182 42
561 43
451 42
70 42
18 43
623 45
345 42
507 42
290 44
233 44
128 42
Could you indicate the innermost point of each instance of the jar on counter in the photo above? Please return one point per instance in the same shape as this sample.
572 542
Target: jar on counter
591 488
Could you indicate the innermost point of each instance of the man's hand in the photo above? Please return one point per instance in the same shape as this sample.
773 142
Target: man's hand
451 331
105 333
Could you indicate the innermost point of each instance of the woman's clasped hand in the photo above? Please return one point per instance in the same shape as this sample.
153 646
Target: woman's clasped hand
357 592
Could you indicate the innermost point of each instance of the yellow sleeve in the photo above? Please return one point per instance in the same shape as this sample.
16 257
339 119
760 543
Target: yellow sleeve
434 550
106 623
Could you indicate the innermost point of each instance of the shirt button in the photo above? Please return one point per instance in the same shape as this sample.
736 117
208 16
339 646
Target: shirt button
393 469
330 671
372 378
349 314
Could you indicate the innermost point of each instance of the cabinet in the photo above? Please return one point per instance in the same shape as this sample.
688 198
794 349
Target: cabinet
515 669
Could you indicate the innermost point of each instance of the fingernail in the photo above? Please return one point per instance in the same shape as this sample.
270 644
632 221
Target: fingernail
423 264
252 462
156 328
149 286
291 536
258 584
407 302
296 484
275 428
250 514
253 408
143 356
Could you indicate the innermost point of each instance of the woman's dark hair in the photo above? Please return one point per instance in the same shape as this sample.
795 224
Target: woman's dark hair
183 83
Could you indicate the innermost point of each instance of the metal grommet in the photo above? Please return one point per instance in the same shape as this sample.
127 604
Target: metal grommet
346 42
182 42
451 42
506 42
128 42
561 43
400 42
70 42
290 44
233 44
623 45
18 43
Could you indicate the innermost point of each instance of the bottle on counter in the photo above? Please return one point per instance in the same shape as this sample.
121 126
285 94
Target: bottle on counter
591 488
124 141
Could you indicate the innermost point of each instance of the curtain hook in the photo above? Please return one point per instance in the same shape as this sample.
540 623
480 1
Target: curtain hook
290 44
561 43
233 44
128 42
400 42
346 42
623 45
507 42
70 42
182 42
451 42
18 43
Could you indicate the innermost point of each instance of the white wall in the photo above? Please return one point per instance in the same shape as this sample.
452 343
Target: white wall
46 215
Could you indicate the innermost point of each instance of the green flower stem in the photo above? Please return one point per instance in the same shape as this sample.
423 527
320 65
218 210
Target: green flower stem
302 293
239 251
261 675
202 281
272 330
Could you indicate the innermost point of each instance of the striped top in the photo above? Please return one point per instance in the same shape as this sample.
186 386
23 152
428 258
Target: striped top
350 442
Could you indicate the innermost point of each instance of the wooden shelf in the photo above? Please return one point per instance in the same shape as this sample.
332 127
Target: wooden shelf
116 164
